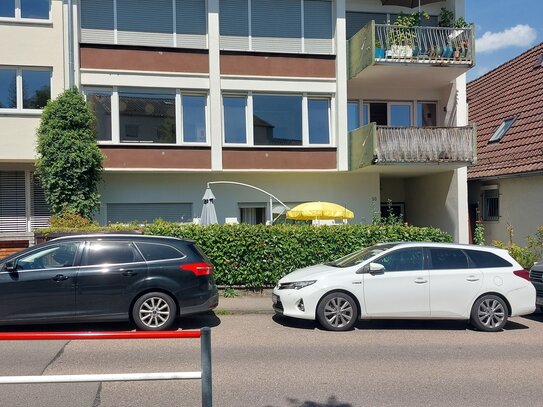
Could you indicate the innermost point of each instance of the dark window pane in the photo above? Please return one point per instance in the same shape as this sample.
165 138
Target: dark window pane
403 260
194 119
8 88
35 9
101 104
491 204
111 253
443 259
427 114
277 120
235 128
147 118
36 89
487 259
61 255
353 116
319 126
378 114
7 9
152 251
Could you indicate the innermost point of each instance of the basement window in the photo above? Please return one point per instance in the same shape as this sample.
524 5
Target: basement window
502 129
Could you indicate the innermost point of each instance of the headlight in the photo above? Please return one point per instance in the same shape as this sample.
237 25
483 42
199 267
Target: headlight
296 285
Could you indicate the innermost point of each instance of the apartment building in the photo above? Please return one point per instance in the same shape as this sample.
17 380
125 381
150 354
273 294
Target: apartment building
294 97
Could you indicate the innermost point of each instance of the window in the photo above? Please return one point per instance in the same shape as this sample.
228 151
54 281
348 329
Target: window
24 88
235 119
319 121
25 9
154 251
107 252
502 129
101 103
56 256
194 118
486 259
403 260
400 115
378 113
491 203
253 214
426 114
445 259
147 118
277 120
353 115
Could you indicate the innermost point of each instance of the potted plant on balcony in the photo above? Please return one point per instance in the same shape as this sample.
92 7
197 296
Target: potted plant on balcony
402 35
379 50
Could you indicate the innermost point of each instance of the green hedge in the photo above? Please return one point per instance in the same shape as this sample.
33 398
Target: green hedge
258 256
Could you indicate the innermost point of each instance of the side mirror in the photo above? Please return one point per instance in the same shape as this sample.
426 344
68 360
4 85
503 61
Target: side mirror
10 266
376 268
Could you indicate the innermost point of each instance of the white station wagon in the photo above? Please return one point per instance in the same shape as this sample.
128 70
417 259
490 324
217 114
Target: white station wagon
484 285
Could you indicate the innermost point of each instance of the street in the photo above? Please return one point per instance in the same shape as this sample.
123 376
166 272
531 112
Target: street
266 361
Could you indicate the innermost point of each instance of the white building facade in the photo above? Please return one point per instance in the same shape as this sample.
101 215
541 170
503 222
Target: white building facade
292 96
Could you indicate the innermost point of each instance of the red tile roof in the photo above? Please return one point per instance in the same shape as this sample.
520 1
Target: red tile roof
513 89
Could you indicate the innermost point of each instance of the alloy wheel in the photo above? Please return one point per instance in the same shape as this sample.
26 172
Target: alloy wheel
491 313
338 312
154 312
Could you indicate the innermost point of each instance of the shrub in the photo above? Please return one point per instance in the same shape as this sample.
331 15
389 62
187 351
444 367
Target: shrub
257 256
524 256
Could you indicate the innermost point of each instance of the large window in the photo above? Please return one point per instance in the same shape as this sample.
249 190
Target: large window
24 88
395 114
151 118
277 120
25 9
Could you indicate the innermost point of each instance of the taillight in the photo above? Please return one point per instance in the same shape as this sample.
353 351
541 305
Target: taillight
525 274
199 269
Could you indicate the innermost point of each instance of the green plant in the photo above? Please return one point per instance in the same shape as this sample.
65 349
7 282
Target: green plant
521 254
69 164
446 18
535 243
229 292
70 219
402 32
461 23
479 233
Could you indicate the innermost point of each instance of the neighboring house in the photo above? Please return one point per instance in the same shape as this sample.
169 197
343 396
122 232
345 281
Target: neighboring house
506 185
286 95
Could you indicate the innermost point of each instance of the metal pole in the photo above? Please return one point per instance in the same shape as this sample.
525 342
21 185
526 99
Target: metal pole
205 344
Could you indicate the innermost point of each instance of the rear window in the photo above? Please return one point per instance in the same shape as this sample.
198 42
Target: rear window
110 252
157 251
485 260
446 259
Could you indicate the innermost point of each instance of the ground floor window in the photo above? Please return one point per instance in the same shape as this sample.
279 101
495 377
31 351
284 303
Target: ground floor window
491 203
253 215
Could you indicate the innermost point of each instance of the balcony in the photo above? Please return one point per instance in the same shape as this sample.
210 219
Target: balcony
384 52
374 145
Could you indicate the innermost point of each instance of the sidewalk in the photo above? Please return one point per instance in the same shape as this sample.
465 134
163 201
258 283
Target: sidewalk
246 302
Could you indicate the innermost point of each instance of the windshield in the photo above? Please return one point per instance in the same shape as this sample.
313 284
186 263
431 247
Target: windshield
360 256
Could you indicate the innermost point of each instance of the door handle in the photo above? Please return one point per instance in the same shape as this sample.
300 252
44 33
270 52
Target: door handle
60 277
473 278
421 280
129 273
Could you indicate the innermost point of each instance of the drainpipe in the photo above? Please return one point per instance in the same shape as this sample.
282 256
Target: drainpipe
71 79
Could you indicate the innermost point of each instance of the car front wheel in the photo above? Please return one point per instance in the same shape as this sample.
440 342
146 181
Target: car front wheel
337 312
154 312
489 313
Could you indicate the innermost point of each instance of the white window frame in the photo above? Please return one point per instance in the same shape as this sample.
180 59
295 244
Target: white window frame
20 19
18 109
484 189
176 93
305 120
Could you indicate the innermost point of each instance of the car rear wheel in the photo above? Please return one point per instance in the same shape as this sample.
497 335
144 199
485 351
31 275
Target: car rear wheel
154 311
337 312
489 313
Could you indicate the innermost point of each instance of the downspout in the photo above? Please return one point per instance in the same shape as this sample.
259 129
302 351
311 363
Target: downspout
71 79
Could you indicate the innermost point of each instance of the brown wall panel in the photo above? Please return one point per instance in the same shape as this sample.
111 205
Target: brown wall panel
271 65
97 57
163 158
279 159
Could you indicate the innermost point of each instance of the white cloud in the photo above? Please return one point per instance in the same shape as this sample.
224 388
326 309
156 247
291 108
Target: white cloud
521 35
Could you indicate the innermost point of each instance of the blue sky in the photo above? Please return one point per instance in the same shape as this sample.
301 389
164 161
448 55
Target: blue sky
504 29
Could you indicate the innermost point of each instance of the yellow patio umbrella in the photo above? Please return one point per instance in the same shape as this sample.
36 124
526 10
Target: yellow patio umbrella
319 211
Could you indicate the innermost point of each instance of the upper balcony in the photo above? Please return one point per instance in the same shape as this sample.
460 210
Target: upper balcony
373 145
386 54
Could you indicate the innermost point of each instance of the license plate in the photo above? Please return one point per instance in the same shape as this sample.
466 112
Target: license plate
275 299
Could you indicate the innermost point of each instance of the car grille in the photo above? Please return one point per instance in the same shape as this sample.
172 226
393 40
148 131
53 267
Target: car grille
536 276
539 293
278 306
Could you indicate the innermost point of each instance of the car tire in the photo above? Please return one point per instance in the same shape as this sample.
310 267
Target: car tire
154 311
489 313
337 311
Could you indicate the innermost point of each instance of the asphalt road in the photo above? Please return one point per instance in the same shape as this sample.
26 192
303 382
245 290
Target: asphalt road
265 361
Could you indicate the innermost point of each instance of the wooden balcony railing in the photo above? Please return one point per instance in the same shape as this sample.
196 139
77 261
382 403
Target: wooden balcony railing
374 144
384 43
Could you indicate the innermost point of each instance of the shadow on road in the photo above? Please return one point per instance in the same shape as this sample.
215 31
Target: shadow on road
331 402
396 324
537 316
184 323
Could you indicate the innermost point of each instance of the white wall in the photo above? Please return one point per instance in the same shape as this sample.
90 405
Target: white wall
360 193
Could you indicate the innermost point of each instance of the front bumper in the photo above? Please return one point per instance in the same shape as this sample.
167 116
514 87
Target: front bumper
296 303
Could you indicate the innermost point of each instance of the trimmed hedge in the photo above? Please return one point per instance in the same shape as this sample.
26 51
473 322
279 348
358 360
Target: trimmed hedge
257 256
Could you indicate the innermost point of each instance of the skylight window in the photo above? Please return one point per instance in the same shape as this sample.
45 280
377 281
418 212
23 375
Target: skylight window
500 132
